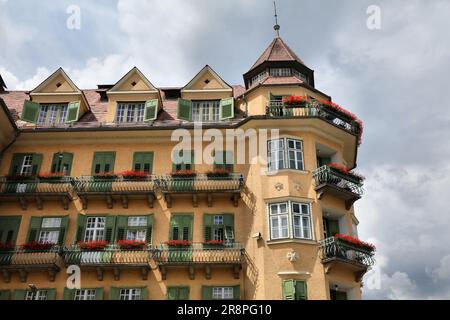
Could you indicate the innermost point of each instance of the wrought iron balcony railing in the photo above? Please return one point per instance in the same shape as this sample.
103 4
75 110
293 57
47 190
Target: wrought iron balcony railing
119 184
328 175
26 260
313 110
336 249
200 183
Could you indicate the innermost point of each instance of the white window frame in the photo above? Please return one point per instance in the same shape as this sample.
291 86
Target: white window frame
280 72
273 155
52 114
206 111
290 215
130 112
222 293
27 165
137 234
258 78
84 294
51 222
39 295
130 294
49 236
299 75
279 216
97 231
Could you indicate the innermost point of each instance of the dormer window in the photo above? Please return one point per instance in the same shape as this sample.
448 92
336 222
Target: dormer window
130 112
52 114
206 111
280 72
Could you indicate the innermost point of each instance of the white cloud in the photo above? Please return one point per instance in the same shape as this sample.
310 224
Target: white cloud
14 83
442 273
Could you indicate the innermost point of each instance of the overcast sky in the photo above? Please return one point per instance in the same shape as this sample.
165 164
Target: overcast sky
394 78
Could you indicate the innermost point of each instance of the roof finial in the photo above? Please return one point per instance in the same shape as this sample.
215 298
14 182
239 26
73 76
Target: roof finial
276 27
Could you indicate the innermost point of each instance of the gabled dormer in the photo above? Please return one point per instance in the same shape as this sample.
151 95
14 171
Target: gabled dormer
133 99
206 98
57 100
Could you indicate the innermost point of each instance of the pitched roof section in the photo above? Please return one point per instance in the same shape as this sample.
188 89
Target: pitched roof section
134 80
207 79
278 50
57 82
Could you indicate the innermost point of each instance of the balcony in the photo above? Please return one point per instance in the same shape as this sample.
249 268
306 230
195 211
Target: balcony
277 109
24 261
347 187
199 255
200 184
113 189
24 189
335 251
110 258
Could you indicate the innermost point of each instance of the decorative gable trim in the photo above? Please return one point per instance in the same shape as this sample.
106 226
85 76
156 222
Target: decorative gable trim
44 84
225 86
115 88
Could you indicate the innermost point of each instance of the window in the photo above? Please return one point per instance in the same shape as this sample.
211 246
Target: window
299 75
295 290
62 163
180 163
84 294
39 295
206 111
137 221
27 165
223 293
285 153
280 72
130 294
130 112
219 227
285 214
139 228
223 160
95 229
258 78
181 227
52 114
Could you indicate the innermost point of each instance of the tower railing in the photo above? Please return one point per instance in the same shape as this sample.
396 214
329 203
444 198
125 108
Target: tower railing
334 248
326 174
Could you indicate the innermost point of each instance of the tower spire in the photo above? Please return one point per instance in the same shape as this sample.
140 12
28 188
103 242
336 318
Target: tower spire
276 27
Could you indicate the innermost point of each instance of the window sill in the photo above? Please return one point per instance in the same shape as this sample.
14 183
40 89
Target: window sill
299 241
274 173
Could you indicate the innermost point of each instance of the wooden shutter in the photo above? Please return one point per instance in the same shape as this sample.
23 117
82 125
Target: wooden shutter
63 230
228 222
227 108
19 294
184 111
144 293
183 293
237 292
172 293
4 294
224 160
174 223
98 293
288 290
148 236
81 225
143 161
151 110
206 293
69 294
103 162
9 228
208 221
34 228
16 164
30 111
51 294
333 227
188 223
110 228
66 162
301 292
114 293
73 111
122 224
181 222
36 163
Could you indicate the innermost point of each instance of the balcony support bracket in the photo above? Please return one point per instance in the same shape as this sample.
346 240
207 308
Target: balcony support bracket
6 276
125 202
23 203
116 272
168 199
150 199
208 272
195 200
237 271
65 202
109 201
191 273
209 199
99 274
163 271
144 272
84 202
349 203
52 274
235 199
23 275
39 203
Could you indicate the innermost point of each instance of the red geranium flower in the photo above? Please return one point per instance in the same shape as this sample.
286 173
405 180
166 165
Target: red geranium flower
35 245
131 244
178 243
355 241
93 245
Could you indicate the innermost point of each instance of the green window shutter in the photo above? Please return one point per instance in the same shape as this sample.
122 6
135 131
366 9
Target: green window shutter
184 165
183 223
270 96
16 164
103 162
19 294
301 292
30 111
188 222
226 108
51 294
4 294
81 224
110 228
183 293
288 290
69 294
174 223
149 229
224 160
98 293
143 161
36 162
184 110
114 293
33 230
63 230
151 110
144 293
9 228
172 293
73 111
237 292
62 162
208 221
121 227
228 221
333 227
206 293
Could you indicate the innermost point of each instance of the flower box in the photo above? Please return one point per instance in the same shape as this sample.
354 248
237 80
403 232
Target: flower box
131 244
184 174
52 177
342 169
295 101
178 243
38 246
353 241
214 244
134 175
22 177
218 173
93 245
105 176
6 246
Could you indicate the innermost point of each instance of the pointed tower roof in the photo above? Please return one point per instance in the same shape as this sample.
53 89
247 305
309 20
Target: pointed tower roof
278 50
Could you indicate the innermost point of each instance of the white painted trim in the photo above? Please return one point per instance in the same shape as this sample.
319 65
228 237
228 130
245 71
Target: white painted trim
55 93
131 92
44 83
294 273
206 90
126 76
201 72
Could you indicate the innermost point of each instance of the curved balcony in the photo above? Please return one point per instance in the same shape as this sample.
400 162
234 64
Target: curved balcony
344 186
199 255
24 189
200 184
335 252
114 189
111 258
25 261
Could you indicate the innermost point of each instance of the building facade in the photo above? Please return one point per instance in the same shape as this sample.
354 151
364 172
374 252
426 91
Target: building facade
91 181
